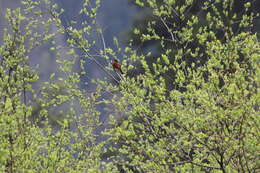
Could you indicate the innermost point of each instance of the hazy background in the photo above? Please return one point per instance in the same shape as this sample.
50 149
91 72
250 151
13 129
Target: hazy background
115 17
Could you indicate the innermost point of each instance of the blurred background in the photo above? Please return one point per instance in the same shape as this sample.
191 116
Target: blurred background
115 17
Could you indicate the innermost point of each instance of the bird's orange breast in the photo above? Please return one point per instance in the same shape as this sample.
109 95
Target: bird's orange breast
116 65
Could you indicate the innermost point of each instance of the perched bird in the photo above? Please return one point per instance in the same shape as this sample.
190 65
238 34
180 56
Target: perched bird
116 66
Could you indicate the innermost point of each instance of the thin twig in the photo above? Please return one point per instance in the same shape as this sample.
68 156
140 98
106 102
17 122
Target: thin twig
205 166
169 30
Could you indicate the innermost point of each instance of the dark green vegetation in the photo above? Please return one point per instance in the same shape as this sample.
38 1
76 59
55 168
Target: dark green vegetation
189 101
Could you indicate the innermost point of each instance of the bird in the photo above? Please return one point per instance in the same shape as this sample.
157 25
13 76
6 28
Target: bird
116 66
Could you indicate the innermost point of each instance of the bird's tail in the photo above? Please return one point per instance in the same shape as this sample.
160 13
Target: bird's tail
121 71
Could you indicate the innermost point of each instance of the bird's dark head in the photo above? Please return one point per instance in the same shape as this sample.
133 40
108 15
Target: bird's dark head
115 60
